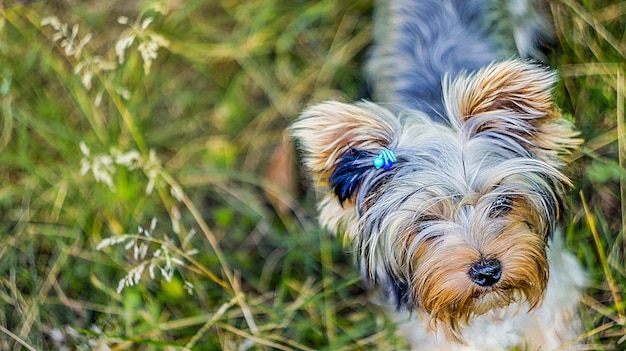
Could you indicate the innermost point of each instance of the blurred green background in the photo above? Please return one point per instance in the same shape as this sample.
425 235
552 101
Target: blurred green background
150 199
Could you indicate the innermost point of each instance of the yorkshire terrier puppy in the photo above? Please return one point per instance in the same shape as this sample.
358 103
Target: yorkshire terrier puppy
450 187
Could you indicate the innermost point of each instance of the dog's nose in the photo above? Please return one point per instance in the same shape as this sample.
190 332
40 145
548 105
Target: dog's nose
486 273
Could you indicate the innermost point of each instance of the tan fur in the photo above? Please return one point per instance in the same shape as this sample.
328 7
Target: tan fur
428 219
518 87
444 290
327 131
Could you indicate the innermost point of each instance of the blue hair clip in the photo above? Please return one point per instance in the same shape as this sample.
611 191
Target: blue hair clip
385 159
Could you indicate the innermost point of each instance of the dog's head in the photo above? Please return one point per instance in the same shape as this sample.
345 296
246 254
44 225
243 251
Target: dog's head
457 221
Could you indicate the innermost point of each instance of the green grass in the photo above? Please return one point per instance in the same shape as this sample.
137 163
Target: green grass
197 177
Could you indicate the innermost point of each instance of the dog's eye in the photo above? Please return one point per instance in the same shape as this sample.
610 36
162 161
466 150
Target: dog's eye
501 207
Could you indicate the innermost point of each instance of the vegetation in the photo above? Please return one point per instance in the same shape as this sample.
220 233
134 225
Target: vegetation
150 199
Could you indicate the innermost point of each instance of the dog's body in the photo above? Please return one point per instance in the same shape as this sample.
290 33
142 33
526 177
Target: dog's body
418 42
450 187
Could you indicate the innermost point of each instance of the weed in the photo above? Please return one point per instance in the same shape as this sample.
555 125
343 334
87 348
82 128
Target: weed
144 202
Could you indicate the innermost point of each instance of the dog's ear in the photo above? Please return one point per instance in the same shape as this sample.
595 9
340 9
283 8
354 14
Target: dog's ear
339 143
512 99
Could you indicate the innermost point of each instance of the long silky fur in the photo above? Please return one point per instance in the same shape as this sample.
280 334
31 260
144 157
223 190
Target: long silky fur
471 128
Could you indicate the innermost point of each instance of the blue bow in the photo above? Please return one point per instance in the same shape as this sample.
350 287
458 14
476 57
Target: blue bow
385 159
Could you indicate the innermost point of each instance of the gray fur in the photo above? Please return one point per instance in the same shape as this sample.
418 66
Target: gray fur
469 126
440 169
418 42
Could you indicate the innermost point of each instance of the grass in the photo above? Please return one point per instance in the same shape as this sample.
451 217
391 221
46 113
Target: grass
184 162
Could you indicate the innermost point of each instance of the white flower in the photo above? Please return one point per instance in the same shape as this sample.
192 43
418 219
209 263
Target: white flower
146 22
176 216
149 42
124 93
90 67
69 40
189 287
101 166
129 245
177 193
121 45
151 168
131 159
151 269
103 170
110 241
51 21
132 278
153 224
83 148
98 100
